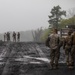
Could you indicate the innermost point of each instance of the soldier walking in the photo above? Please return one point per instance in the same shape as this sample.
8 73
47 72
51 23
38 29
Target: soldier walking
14 37
54 41
69 51
18 36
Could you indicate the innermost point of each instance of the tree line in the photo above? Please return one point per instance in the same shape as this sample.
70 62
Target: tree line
59 19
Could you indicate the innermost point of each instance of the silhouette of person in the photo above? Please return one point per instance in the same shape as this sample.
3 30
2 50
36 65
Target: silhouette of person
5 37
14 37
8 36
18 36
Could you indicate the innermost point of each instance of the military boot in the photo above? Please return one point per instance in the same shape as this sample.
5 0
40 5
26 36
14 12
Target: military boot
51 66
55 67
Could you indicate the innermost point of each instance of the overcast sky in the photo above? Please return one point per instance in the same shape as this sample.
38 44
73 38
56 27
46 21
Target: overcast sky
22 15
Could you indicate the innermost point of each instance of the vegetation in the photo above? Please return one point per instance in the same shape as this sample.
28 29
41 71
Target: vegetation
45 34
37 35
56 20
56 16
65 22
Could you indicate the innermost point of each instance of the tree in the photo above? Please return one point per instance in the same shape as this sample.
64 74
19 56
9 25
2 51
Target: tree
55 16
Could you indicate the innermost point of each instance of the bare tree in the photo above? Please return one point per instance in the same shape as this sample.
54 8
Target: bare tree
37 35
71 12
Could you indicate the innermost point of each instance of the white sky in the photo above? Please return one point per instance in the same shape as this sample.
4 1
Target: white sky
22 15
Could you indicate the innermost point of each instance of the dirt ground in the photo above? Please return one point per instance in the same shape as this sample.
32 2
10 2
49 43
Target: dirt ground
29 59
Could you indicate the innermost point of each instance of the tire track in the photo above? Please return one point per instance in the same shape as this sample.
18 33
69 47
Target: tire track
8 55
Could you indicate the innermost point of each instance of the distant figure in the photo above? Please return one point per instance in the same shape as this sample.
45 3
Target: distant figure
5 37
18 36
8 36
14 37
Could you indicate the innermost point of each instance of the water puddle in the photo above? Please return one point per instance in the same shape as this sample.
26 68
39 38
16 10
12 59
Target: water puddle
1 63
37 60
29 59
1 59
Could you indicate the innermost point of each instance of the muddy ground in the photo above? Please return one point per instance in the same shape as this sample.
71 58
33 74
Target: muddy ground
29 58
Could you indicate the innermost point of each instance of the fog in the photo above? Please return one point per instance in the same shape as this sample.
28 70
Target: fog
22 15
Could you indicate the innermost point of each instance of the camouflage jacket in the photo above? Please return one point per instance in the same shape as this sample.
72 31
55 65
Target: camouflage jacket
68 42
54 41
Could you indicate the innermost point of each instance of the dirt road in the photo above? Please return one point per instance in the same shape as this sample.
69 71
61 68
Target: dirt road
28 59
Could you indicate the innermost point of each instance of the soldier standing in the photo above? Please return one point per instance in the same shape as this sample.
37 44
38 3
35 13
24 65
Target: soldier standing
18 36
14 37
8 36
5 37
73 50
55 50
69 52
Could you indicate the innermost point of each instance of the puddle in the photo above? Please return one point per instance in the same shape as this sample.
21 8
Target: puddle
29 59
1 59
44 59
35 62
1 63
38 58
21 59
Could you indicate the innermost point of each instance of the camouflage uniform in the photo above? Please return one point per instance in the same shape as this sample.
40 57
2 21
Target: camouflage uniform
69 52
55 50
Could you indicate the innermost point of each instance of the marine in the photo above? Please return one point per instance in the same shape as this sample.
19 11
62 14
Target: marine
54 41
69 51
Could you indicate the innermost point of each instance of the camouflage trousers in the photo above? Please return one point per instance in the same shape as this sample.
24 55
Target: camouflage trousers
69 52
54 56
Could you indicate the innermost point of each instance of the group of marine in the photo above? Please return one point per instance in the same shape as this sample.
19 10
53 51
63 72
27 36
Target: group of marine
68 43
15 36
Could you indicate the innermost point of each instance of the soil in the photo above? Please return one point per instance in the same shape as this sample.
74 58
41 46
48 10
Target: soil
29 58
